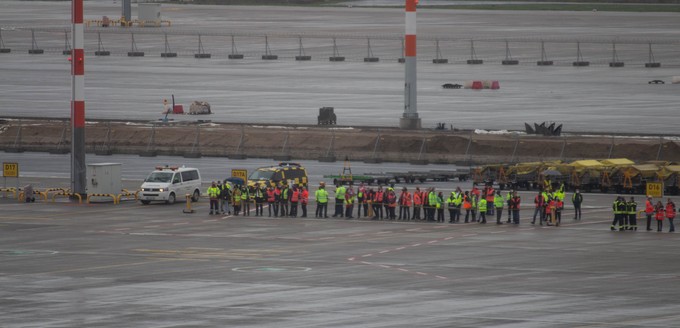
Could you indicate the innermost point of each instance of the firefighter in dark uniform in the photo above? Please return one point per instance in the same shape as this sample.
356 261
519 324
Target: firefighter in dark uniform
619 208
631 211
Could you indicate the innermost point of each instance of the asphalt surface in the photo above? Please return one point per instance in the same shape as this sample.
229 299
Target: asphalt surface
153 266
130 265
596 98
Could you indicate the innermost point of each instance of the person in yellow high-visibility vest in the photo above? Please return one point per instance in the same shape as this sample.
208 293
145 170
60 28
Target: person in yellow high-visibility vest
214 194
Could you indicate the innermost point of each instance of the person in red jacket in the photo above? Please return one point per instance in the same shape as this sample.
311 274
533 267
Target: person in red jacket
670 214
417 203
405 205
660 214
271 200
378 198
649 212
490 194
515 207
304 199
294 200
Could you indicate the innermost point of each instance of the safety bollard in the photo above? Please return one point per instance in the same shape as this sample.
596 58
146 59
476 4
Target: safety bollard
188 208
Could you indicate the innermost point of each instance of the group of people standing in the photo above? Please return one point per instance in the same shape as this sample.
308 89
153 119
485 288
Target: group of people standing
549 205
282 200
382 203
660 212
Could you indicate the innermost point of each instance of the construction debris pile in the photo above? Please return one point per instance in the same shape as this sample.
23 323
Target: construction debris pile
548 131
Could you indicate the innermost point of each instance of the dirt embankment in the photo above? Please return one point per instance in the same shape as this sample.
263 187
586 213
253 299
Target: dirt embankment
316 142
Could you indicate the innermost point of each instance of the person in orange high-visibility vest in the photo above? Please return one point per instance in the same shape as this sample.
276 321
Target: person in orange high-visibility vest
649 212
378 203
467 206
304 199
490 195
660 214
294 199
277 200
670 214
405 205
550 211
417 203
271 200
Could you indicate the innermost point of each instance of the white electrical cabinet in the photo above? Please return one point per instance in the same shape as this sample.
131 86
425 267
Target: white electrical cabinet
103 179
149 12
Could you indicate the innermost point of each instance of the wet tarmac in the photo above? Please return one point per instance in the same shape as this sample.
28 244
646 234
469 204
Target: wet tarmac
104 265
131 265
595 98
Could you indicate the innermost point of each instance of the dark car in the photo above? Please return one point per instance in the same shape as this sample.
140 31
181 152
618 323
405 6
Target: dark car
451 86
656 82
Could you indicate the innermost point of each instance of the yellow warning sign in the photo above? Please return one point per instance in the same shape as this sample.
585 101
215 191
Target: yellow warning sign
655 189
10 170
239 173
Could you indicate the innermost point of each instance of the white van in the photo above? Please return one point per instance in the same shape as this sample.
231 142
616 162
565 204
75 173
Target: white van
168 183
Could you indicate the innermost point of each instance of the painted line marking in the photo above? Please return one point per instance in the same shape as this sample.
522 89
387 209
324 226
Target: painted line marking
448 238
366 255
440 277
421 273
122 229
108 266
404 270
432 241
385 266
152 226
416 245
399 248
351 259
498 231
385 251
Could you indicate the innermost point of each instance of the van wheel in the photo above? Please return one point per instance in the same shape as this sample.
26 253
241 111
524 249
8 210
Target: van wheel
171 198
195 196
145 202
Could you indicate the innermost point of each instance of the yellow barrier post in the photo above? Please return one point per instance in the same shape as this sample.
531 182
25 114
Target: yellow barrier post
188 209
6 190
103 195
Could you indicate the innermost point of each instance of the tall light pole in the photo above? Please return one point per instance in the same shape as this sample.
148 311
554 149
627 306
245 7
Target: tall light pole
410 119
77 100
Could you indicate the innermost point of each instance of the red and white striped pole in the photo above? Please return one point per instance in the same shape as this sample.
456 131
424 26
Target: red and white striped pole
78 169
410 118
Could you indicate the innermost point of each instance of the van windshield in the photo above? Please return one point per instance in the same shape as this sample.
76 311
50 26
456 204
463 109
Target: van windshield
261 175
159 177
